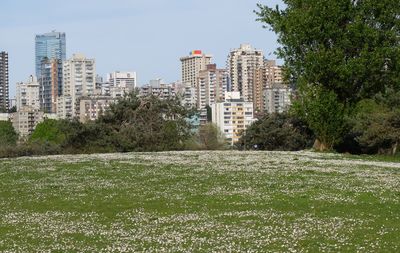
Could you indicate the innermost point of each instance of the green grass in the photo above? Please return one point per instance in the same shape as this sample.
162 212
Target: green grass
199 202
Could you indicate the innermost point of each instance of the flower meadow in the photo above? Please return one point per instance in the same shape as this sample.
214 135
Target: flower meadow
217 201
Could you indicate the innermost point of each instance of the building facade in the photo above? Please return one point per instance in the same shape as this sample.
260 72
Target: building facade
158 88
233 116
277 98
79 80
50 84
4 82
51 46
242 65
191 67
91 108
28 94
25 121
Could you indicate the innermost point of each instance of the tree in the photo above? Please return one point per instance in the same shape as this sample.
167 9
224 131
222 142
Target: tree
277 132
147 123
211 138
8 136
49 131
348 48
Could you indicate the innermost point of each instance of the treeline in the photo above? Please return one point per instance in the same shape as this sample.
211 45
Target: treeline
133 124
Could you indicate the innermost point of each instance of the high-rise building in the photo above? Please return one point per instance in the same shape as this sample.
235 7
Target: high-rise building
233 116
4 82
242 65
191 66
49 45
265 76
79 79
50 84
212 84
28 94
277 98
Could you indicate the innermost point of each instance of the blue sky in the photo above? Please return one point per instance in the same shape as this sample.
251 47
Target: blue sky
147 36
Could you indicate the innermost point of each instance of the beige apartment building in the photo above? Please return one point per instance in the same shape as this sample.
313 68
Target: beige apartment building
28 94
233 116
242 65
191 66
91 108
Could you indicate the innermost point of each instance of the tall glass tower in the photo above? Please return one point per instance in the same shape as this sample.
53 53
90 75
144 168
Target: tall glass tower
51 46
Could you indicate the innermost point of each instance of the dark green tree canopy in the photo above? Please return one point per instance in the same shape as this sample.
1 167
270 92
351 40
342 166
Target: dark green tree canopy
348 46
8 136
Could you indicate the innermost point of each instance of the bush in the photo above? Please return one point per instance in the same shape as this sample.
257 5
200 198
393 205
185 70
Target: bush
277 132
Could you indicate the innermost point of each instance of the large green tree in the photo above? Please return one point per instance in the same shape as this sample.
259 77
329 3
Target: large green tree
147 123
348 47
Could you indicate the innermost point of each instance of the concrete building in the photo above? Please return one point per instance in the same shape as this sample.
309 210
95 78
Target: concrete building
28 94
277 98
158 88
4 82
265 76
91 108
50 84
191 66
25 120
212 84
242 65
79 80
233 116
51 46
121 83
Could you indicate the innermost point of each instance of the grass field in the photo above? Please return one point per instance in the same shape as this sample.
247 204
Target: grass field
199 202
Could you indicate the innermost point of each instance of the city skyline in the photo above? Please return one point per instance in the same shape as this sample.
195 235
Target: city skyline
142 36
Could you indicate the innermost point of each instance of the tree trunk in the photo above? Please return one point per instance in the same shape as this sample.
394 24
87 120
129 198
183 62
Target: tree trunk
320 146
394 148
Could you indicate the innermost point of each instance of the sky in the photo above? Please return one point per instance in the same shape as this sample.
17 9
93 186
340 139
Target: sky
146 36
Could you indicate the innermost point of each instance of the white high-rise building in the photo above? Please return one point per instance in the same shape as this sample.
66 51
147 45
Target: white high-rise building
124 80
242 65
233 116
28 94
79 79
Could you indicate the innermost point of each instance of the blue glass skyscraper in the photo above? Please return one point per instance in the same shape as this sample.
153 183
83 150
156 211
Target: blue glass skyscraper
51 46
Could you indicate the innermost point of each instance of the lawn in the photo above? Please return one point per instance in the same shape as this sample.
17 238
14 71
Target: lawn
199 202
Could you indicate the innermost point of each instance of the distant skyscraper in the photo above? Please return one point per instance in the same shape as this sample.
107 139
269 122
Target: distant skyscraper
49 45
4 81
242 65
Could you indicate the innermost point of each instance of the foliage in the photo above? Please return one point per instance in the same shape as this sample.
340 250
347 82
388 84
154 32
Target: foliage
147 123
49 131
208 137
8 136
323 113
277 132
339 52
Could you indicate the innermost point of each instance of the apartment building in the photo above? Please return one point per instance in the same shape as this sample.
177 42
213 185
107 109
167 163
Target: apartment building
4 82
233 116
79 80
277 98
50 84
242 65
91 108
28 94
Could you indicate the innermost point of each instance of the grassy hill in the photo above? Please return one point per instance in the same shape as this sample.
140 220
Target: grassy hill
199 202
